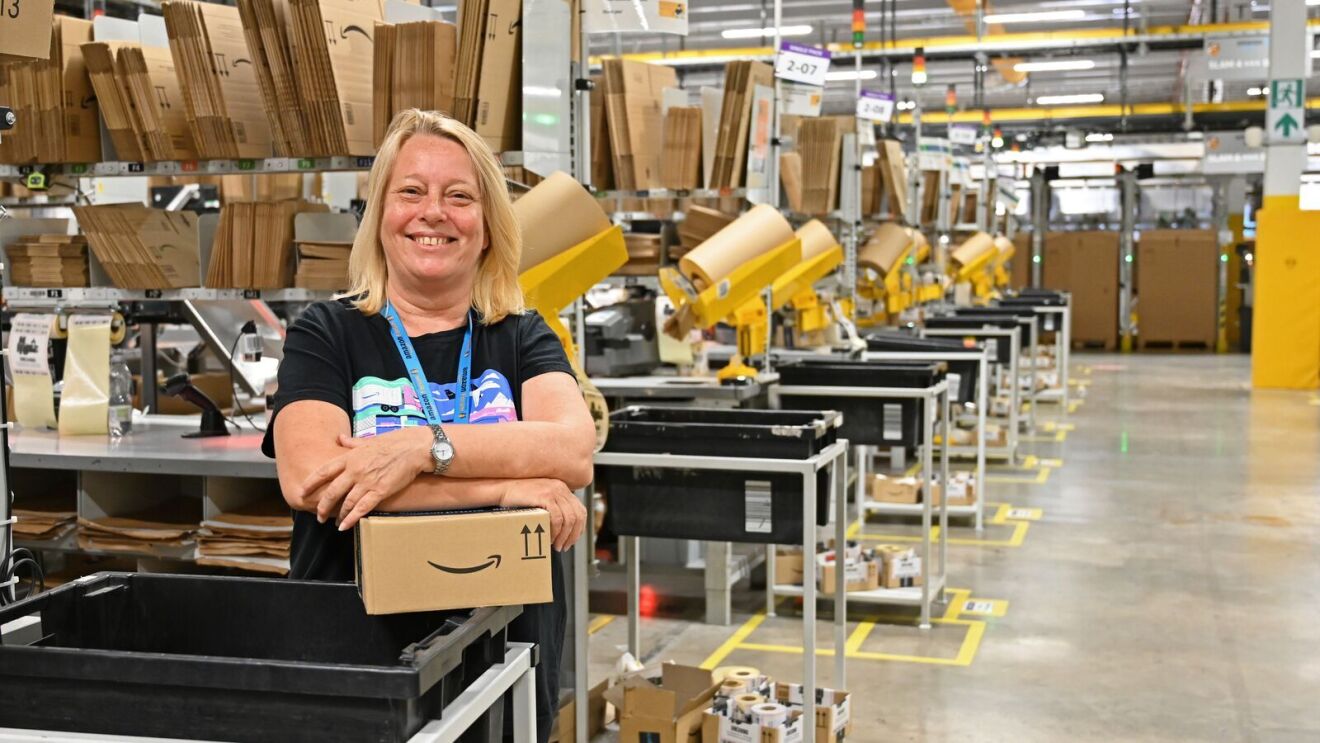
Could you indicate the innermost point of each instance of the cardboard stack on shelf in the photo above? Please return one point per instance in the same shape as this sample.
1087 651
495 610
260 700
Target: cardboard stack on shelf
488 72
332 53
633 94
820 143
266 32
698 224
251 537
680 164
740 81
413 68
643 255
322 265
45 517
112 99
54 99
141 101
140 247
253 246
166 526
48 261
218 81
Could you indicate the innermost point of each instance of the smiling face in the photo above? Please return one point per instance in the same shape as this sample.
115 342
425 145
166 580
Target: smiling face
431 225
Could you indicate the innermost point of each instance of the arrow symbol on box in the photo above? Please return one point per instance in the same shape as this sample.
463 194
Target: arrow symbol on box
1287 123
491 560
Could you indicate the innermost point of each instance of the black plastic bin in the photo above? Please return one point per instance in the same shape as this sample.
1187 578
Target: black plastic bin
241 659
968 371
1030 322
974 323
872 421
717 505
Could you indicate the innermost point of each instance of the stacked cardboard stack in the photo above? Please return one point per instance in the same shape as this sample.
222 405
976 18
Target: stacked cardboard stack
602 157
253 246
930 196
48 260
698 225
218 81
643 255
322 265
740 81
54 100
488 73
266 31
47 517
790 176
872 190
633 103
680 165
820 143
168 525
140 100
413 68
893 177
332 50
252 537
142 248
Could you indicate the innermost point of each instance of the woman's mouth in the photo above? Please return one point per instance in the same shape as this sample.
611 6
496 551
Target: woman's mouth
432 241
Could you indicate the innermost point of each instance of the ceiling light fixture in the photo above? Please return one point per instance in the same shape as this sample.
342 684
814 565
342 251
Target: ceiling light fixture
1055 65
759 33
1063 100
1037 16
851 75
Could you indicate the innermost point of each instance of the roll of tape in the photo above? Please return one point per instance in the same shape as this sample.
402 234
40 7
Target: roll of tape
770 715
723 672
734 687
745 703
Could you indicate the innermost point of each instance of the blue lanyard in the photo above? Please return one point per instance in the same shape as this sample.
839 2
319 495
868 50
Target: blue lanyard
418 377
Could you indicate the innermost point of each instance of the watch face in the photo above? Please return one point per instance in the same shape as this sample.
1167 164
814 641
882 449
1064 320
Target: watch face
443 451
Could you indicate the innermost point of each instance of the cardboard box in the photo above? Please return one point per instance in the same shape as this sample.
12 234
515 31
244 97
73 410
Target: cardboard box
885 489
789 567
452 560
962 490
833 710
1086 264
566 727
499 87
900 566
25 30
859 575
716 728
667 712
1178 286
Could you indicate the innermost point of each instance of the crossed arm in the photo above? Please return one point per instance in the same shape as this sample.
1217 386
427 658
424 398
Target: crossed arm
535 462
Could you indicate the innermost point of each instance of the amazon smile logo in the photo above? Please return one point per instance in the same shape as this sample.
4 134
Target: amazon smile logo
491 561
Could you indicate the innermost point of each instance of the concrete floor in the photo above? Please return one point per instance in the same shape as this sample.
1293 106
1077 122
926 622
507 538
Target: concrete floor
1168 591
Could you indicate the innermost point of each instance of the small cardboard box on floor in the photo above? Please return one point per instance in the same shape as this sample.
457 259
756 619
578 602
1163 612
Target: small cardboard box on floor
886 489
668 712
720 729
788 566
901 567
833 710
453 559
859 575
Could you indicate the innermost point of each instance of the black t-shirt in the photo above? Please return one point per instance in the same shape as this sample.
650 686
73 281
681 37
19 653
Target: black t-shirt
335 354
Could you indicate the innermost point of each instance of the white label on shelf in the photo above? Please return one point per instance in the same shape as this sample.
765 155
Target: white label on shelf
873 105
1049 322
892 421
992 347
757 507
978 607
962 134
800 100
955 383
801 63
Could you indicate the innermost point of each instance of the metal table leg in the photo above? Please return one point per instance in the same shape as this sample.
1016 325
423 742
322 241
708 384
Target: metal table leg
719 583
634 568
840 548
862 454
944 500
809 586
981 403
927 476
770 579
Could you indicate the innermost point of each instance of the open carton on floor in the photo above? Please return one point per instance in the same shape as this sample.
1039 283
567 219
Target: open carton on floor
720 729
670 712
453 559
833 710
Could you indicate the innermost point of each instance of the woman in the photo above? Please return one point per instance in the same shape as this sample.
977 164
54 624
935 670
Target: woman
434 277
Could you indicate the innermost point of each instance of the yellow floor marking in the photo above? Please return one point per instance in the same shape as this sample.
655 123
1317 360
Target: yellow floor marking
731 644
1074 405
1029 462
1052 426
1041 478
858 637
913 470
1020 529
599 623
966 652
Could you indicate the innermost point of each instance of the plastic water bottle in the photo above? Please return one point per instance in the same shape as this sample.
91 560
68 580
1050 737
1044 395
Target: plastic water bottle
121 396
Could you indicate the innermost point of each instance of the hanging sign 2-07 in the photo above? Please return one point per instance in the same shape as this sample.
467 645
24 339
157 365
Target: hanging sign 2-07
800 63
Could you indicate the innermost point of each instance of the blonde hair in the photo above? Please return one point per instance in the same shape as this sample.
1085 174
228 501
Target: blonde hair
496 293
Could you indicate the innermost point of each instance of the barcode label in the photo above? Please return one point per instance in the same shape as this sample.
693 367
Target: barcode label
1049 322
955 383
992 346
757 510
892 423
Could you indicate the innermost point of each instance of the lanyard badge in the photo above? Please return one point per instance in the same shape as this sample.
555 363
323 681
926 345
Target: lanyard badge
418 377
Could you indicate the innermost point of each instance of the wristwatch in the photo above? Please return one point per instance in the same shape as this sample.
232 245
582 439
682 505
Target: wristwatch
442 451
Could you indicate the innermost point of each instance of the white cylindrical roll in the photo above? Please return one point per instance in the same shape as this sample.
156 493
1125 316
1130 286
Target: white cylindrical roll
734 687
723 672
770 715
746 702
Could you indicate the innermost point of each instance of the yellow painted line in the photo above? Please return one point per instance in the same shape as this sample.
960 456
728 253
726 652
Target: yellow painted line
966 652
731 644
1073 405
1041 478
956 597
1030 461
795 649
1052 426
599 623
858 637
1020 529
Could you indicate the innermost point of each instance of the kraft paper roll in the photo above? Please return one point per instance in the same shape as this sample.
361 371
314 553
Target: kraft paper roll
755 233
922 249
747 675
884 248
554 216
734 687
745 703
85 401
770 715
972 249
34 394
816 239
1005 246
724 672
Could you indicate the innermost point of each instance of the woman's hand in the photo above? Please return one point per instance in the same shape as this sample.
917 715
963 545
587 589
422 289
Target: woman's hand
567 514
353 484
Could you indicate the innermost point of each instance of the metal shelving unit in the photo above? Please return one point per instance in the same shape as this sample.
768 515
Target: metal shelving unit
1008 452
21 296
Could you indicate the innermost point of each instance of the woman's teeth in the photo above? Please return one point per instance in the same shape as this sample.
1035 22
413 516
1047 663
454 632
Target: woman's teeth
433 241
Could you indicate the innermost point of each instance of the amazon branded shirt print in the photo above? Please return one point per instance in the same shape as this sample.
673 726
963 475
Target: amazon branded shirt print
335 354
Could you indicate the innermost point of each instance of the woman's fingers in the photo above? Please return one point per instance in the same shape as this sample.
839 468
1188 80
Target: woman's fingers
364 504
322 475
348 442
330 496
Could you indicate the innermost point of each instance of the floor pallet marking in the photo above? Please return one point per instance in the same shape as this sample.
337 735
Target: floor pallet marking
1005 515
599 623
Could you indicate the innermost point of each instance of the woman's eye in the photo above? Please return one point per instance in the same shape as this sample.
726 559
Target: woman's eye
410 191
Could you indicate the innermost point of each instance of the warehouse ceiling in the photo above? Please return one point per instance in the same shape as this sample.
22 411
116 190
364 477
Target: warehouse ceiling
1155 67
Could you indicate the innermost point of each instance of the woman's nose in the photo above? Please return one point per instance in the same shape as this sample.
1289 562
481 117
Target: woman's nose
434 210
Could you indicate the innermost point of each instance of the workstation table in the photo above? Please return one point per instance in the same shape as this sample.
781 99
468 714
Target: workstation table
1003 347
1056 317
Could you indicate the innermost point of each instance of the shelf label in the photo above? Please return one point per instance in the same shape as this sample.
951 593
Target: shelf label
153 294
800 100
365 162
247 164
757 507
873 105
801 63
962 135
54 294
306 163
135 167
252 294
78 168
188 166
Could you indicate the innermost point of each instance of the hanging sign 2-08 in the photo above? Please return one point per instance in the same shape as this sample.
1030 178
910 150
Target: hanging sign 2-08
800 63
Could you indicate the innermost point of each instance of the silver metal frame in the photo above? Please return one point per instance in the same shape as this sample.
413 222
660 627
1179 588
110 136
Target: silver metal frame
833 456
1009 452
935 582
